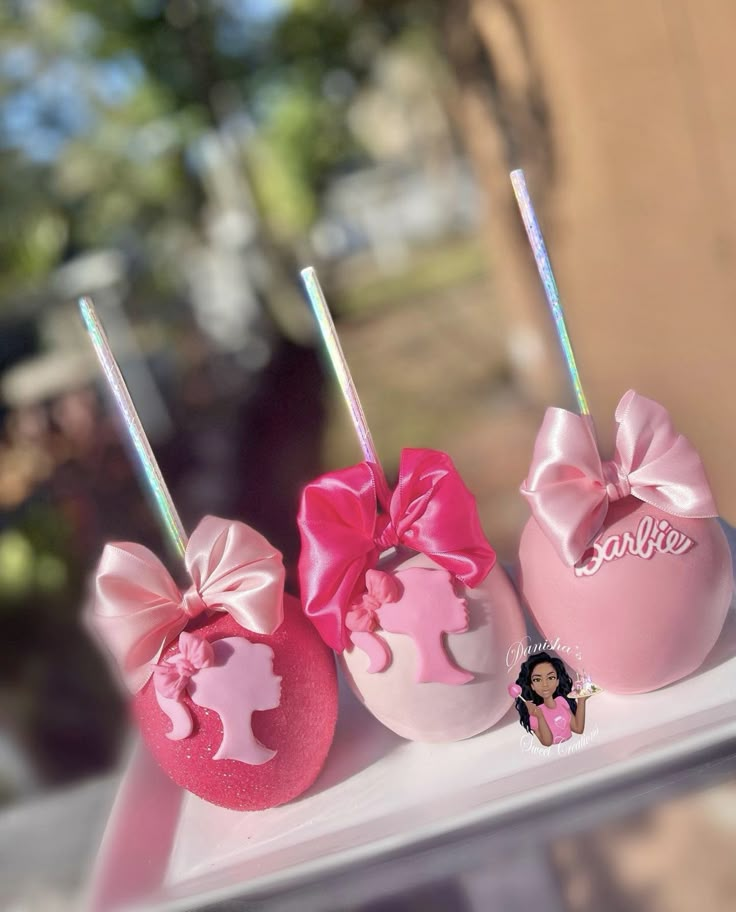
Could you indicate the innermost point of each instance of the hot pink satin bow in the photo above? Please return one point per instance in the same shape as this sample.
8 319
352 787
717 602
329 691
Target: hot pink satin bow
172 676
343 533
138 608
569 488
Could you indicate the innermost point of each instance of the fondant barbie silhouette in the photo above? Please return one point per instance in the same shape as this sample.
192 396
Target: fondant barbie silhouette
544 706
231 676
419 603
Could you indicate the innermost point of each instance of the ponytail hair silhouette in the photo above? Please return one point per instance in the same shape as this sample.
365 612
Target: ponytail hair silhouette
231 676
408 606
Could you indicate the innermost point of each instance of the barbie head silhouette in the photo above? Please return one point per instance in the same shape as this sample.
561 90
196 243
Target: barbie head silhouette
231 676
418 603
543 702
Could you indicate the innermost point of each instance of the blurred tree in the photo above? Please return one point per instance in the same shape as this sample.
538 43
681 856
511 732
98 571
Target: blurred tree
154 128
103 107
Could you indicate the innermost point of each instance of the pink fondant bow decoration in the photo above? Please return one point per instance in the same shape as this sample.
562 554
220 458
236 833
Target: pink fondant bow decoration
138 608
343 533
379 589
569 488
172 676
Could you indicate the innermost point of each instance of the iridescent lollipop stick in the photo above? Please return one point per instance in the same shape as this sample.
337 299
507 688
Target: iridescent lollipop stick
544 267
165 509
339 364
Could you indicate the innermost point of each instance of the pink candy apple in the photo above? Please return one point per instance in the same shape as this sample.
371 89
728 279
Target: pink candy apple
645 605
491 620
286 722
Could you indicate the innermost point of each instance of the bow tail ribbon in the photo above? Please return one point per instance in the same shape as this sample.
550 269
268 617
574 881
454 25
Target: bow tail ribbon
337 523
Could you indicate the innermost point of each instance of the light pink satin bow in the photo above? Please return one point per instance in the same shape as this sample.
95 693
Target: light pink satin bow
569 488
171 676
138 608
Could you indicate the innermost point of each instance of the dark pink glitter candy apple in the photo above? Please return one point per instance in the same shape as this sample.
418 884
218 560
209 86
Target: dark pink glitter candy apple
234 692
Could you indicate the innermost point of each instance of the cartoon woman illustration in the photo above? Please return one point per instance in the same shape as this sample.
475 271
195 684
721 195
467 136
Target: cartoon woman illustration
543 705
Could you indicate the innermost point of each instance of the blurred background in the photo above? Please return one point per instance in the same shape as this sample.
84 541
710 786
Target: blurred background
181 160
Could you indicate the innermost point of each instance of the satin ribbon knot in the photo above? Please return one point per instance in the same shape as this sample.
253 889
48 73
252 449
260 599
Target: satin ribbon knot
618 485
347 518
192 604
138 609
569 489
388 538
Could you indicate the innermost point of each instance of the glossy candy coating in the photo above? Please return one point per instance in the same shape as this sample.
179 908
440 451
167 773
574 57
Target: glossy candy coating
640 623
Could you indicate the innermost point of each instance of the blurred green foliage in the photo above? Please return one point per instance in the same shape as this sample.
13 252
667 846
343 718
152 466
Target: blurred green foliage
103 107
35 554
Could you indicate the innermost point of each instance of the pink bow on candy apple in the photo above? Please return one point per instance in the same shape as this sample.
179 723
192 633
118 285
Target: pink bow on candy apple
569 488
380 588
172 676
138 608
347 518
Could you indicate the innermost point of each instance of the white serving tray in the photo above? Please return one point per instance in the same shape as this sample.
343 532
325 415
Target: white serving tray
165 850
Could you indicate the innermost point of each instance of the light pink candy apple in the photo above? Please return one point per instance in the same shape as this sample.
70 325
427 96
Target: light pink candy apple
647 606
432 711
